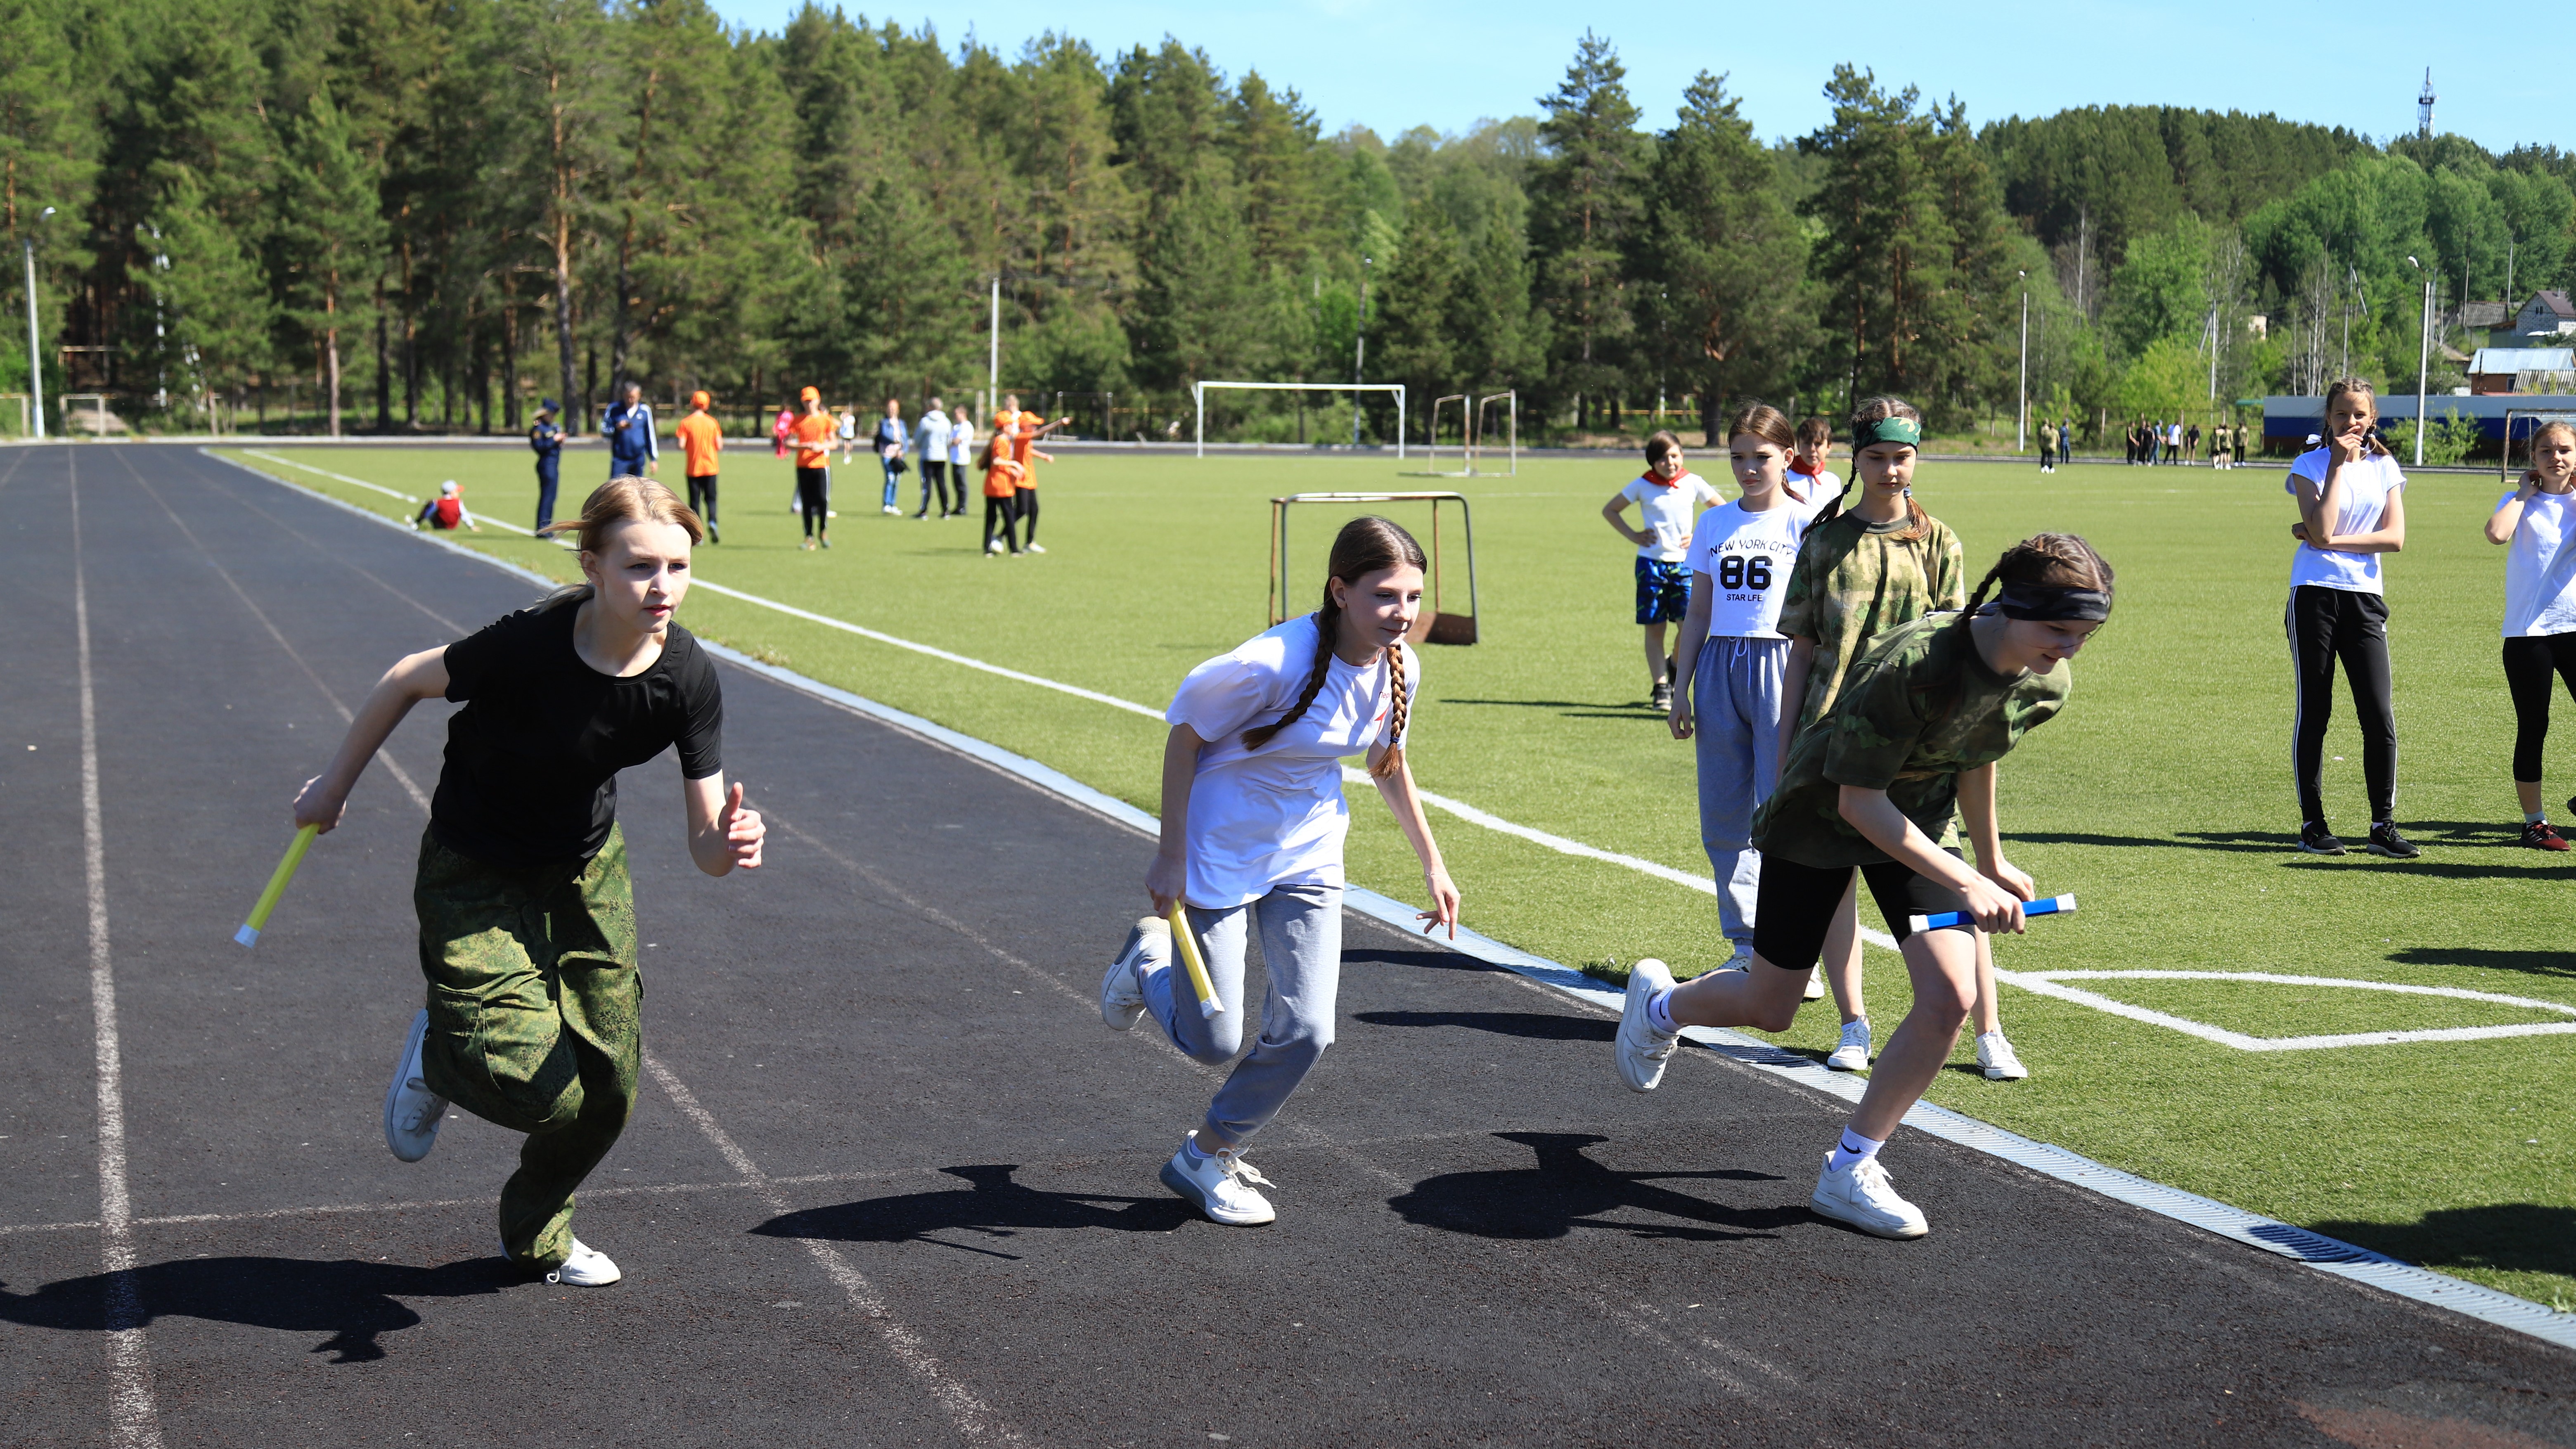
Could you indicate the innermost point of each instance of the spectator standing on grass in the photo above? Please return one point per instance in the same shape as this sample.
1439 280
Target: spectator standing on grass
1730 664
931 433
2538 520
701 441
634 449
1668 497
2352 509
1002 474
2065 441
2047 446
2191 444
546 440
891 440
961 455
815 434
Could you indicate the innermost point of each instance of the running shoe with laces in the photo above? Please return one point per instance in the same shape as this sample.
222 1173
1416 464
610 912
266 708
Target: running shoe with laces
1814 990
412 1110
1852 1052
1644 1048
1122 991
2384 840
1996 1058
585 1267
1662 698
1864 1198
2315 839
1222 1185
2541 835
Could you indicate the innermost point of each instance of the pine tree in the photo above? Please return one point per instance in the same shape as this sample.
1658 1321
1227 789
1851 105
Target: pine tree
328 229
48 147
1586 201
214 307
1415 304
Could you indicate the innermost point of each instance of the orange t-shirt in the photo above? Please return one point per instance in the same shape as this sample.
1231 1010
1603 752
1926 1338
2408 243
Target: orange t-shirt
701 439
1003 479
816 436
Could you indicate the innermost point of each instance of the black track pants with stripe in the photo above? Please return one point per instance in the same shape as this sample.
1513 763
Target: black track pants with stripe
2327 627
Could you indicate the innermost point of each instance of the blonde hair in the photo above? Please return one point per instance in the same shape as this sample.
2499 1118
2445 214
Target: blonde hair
620 500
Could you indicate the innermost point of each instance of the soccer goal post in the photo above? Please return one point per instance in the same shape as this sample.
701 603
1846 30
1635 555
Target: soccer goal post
1199 392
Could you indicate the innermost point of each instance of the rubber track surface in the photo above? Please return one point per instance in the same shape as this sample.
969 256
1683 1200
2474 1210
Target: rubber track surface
956 1234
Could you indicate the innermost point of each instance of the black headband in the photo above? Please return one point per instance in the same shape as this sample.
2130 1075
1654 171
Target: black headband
2039 601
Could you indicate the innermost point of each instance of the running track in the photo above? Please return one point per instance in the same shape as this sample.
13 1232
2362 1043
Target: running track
890 1181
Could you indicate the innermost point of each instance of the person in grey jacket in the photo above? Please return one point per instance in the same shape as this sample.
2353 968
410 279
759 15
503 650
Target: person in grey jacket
931 434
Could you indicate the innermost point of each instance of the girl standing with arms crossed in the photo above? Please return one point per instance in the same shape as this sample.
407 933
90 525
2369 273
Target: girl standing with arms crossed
2352 509
1253 822
2537 518
1731 661
1866 793
527 920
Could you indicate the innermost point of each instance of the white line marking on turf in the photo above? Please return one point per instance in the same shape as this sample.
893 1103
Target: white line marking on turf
2044 983
975 1420
133 1418
2327 1255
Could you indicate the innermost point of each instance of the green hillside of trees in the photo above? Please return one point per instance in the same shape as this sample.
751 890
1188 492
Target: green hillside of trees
411 215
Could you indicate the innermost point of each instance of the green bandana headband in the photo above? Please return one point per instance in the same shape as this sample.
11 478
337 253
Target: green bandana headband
1892 430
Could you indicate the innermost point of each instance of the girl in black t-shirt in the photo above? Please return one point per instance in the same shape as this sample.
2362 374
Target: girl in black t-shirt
527 920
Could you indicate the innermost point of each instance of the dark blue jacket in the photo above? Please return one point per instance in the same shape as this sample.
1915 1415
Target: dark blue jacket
630 433
546 441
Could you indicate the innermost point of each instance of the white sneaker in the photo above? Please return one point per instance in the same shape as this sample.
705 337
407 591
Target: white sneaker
412 1110
1864 1198
1643 1050
1741 959
1853 1052
586 1268
1122 991
1997 1057
1815 987
890 510
1035 548
992 545
1223 1186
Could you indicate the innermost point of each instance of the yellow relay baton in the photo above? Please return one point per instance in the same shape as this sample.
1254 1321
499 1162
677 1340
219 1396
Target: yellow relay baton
1189 944
248 935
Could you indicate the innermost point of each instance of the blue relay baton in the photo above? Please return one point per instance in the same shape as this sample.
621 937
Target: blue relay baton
2049 907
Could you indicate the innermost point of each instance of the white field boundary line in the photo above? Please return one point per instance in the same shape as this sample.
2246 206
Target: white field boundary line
1702 883
133 1415
2045 983
2326 1255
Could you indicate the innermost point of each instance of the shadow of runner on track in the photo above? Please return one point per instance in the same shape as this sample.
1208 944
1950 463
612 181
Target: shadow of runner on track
1566 1190
350 1300
996 1206
1534 1025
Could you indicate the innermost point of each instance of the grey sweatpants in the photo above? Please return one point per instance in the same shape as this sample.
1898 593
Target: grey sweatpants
1735 700
1301 948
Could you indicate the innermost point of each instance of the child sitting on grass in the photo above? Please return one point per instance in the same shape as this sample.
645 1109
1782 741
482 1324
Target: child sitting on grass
447 510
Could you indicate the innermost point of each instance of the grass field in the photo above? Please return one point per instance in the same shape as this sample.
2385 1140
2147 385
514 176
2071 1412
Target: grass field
2162 795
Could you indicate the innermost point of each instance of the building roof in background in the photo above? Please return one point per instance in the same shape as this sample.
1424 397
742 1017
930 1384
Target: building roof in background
2486 314
2556 302
2493 360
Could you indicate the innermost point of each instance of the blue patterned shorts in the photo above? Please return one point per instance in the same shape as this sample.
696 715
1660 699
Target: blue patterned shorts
1663 591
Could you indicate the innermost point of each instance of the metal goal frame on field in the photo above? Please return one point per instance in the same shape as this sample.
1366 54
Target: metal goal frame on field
2535 417
1473 429
1198 401
1434 626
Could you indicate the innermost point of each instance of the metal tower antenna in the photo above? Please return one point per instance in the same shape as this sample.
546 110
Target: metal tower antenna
2424 108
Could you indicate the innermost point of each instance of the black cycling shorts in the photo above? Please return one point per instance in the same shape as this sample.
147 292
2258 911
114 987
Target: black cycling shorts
1796 905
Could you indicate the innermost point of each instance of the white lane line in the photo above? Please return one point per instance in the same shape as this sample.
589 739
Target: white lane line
2045 983
133 1418
401 776
403 498
975 1420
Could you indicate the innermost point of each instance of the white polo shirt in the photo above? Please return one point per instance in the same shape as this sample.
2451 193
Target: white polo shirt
1668 511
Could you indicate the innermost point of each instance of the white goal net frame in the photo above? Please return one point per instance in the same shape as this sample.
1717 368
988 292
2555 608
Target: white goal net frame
1475 434
1198 401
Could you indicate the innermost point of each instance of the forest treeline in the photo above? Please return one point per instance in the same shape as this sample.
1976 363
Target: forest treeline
419 214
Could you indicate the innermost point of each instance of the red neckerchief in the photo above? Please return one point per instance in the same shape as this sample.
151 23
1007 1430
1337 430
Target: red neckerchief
1649 477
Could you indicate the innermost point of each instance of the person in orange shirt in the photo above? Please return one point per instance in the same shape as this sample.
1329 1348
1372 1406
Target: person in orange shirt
816 433
701 439
1002 474
1026 431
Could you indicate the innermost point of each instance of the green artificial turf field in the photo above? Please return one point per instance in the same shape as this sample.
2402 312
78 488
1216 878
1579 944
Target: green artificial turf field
2162 796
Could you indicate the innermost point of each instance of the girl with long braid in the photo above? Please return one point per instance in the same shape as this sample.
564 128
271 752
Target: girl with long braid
1913 734
1253 822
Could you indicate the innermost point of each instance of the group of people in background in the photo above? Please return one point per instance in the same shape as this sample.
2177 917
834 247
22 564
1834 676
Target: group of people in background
2151 444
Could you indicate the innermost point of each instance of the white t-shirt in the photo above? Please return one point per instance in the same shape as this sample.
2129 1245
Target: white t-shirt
1744 559
961 442
2540 568
1821 486
2366 486
1275 816
1668 512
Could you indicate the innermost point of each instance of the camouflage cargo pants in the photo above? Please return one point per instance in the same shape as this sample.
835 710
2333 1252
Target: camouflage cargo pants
533 999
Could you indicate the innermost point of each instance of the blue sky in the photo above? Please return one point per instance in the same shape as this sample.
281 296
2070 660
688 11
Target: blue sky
1391 66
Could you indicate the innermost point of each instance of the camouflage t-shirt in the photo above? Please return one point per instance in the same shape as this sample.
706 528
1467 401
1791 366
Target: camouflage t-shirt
1920 706
1853 580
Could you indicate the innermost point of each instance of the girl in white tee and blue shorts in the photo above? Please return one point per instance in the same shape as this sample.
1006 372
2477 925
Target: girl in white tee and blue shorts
2538 518
1733 656
2352 509
1253 823
1668 495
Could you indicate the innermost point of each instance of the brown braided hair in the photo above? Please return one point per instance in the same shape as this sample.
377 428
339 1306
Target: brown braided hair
1918 524
2053 560
1364 546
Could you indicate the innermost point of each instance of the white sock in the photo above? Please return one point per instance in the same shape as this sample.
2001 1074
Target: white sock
1852 1151
2534 817
1659 1013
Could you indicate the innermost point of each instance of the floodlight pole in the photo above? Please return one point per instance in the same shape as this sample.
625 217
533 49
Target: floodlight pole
35 357
993 355
2021 412
1359 351
2423 358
